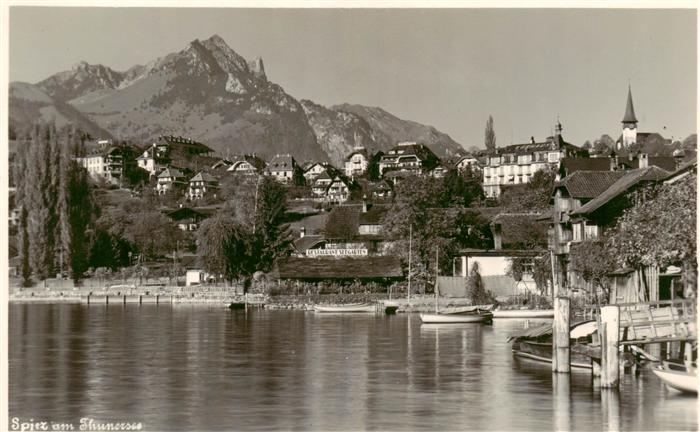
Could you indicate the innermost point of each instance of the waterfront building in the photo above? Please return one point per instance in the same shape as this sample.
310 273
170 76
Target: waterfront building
516 164
282 167
356 162
201 184
169 179
382 270
408 158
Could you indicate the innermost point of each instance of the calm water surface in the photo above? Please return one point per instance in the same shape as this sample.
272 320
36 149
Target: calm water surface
194 367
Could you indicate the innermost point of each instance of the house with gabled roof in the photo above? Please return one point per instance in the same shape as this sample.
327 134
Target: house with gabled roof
356 162
247 164
282 167
201 184
408 157
469 161
169 179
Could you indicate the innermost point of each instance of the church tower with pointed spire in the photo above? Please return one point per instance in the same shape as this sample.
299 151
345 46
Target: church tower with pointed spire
629 122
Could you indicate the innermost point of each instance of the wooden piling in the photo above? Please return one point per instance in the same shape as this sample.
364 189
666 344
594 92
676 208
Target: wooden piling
610 363
561 352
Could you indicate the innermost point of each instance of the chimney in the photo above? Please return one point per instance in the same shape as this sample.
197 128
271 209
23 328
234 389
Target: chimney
532 140
643 160
302 232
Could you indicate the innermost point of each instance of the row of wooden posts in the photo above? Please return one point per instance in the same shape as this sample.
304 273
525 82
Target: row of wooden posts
609 335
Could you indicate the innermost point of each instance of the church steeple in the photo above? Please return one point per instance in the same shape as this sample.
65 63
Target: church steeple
629 123
629 111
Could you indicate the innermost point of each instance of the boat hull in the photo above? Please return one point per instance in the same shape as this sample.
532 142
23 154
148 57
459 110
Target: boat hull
542 352
454 318
360 308
546 313
683 381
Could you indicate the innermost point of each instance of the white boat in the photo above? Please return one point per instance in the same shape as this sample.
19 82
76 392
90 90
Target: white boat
678 376
533 313
447 318
347 308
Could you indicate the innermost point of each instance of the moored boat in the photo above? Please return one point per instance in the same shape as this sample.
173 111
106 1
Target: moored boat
447 318
531 313
346 308
678 376
536 343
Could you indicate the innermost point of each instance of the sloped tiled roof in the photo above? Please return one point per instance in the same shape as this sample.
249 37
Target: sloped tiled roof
282 162
572 164
170 172
589 184
362 151
205 177
340 268
622 185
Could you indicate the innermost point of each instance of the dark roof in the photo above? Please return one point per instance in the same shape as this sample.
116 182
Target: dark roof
340 268
522 229
205 177
683 168
589 184
186 213
630 179
374 214
629 110
177 141
282 162
572 164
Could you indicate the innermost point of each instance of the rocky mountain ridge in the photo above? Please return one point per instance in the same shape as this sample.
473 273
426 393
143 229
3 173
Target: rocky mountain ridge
210 93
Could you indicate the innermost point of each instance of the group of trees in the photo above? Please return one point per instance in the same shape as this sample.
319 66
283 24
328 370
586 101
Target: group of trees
431 213
658 231
56 206
249 233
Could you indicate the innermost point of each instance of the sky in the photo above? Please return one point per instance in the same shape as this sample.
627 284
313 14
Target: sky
449 68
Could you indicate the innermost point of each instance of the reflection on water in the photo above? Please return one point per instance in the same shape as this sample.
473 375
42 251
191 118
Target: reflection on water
190 367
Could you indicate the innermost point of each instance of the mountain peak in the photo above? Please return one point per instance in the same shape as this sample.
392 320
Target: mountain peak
81 65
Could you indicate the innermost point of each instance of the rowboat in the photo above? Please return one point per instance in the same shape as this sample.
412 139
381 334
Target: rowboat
346 308
454 318
677 376
536 343
534 313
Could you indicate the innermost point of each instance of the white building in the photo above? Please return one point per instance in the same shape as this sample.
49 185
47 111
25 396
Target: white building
408 157
281 167
356 163
516 164
168 179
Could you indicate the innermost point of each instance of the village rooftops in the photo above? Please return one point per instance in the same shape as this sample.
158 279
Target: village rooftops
187 144
621 186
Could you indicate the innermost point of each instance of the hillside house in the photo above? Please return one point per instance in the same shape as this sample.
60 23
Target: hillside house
516 164
314 169
170 178
201 184
168 144
468 161
282 167
189 219
438 171
356 162
248 164
107 161
408 157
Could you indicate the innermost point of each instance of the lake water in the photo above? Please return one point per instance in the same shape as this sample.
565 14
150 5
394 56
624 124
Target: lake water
199 367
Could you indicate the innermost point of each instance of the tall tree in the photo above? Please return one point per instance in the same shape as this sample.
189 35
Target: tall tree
79 209
490 135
